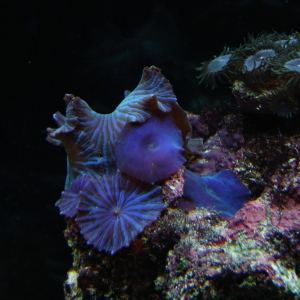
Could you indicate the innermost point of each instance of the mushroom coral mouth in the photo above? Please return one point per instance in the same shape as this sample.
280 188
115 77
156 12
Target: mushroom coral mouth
150 151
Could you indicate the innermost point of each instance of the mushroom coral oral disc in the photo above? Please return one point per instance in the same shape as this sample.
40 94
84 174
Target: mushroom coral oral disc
222 191
152 150
114 209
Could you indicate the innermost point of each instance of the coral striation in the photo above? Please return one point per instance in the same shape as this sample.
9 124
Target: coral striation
113 209
153 92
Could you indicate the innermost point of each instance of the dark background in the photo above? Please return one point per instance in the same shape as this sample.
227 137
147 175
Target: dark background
96 50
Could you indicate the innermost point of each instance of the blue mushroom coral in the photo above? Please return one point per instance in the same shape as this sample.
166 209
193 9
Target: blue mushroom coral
114 209
222 192
111 209
152 150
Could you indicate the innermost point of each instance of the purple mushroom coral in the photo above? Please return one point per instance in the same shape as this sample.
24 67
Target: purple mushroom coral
152 150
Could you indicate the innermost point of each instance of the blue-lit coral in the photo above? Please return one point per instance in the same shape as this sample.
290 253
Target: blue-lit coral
114 209
263 73
145 137
152 150
250 58
222 192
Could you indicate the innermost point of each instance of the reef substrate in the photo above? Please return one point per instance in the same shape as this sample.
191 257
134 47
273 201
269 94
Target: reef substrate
193 253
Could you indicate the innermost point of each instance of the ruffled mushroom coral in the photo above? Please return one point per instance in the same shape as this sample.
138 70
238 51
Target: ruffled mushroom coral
263 73
152 150
153 92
